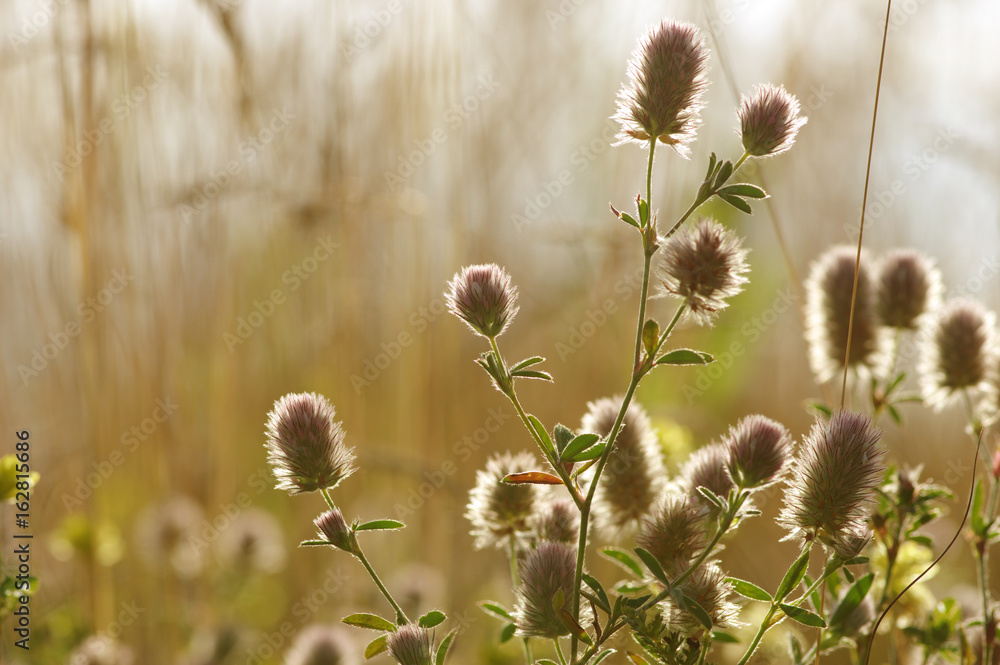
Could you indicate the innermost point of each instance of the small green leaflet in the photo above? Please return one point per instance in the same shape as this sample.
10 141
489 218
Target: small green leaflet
370 621
380 525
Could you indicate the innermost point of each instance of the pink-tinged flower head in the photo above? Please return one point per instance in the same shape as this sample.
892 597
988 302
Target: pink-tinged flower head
760 449
557 520
828 314
305 446
908 287
769 120
634 476
705 265
500 511
833 482
483 297
674 533
959 351
333 529
545 571
411 645
708 587
667 79
706 467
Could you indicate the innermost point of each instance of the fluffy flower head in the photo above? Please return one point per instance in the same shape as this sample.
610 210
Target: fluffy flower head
305 446
759 451
959 351
769 120
908 287
483 297
411 645
667 79
500 511
544 572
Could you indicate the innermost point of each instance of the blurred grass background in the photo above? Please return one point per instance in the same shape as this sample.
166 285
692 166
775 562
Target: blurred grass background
284 190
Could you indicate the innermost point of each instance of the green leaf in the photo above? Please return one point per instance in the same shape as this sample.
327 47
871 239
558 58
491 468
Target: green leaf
643 212
895 382
820 408
444 647
725 171
803 616
712 497
744 189
894 414
507 632
574 627
624 559
636 658
749 590
314 543
685 357
653 565
737 203
697 611
376 646
711 166
380 525
532 478
852 599
532 374
629 219
527 362
561 436
545 661
976 513
370 621
724 638
496 610
603 655
543 436
603 601
578 445
793 576
431 619
591 453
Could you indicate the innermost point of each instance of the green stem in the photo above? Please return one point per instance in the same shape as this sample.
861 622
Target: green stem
400 615
515 578
701 199
559 653
649 174
759 636
642 310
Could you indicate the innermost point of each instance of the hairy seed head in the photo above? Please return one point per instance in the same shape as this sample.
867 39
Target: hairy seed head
634 476
305 446
322 645
706 467
829 291
545 571
500 511
411 645
707 586
333 528
759 449
667 79
833 482
769 120
704 265
674 533
908 287
557 520
959 351
483 297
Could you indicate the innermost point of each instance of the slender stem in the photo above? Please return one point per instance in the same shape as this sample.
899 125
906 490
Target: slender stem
819 631
642 310
739 162
760 635
699 200
649 173
559 653
515 579
400 615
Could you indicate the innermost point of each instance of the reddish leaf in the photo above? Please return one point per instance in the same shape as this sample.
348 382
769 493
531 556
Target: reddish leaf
532 478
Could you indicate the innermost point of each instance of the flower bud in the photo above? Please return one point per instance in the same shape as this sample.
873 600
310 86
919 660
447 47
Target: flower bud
305 447
667 79
908 286
829 291
557 520
769 120
674 533
705 265
500 511
545 571
411 645
706 467
833 482
333 528
959 351
484 298
634 476
759 451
